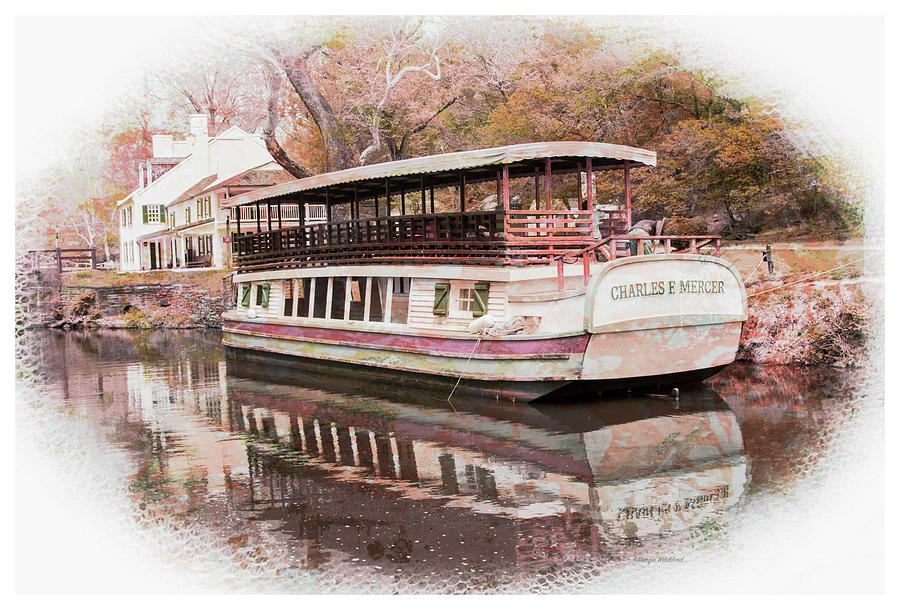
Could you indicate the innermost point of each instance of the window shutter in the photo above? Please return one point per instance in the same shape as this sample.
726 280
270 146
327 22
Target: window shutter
144 211
245 295
263 295
441 299
480 304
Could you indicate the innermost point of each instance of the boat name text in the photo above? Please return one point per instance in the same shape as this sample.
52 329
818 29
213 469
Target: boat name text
650 289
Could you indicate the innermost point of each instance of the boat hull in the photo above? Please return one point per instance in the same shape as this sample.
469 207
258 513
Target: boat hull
357 368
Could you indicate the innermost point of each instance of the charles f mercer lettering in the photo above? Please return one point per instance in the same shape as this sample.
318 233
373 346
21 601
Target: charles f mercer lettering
650 289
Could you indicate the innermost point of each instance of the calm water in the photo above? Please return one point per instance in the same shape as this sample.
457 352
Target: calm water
312 474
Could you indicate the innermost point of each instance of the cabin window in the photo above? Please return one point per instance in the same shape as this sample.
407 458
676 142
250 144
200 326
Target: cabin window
320 294
441 299
358 293
377 299
481 294
245 295
400 300
465 299
288 291
304 296
470 299
262 295
338 297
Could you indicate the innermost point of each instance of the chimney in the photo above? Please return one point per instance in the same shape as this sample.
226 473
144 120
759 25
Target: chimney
200 125
199 129
163 146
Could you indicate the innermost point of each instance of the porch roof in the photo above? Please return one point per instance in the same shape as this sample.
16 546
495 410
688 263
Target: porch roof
176 230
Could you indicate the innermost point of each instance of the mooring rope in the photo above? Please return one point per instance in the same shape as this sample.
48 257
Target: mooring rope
756 294
761 261
467 364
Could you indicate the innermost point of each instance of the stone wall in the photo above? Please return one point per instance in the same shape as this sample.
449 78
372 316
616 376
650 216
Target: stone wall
134 305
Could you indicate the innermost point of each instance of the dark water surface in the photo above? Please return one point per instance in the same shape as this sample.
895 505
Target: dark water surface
313 473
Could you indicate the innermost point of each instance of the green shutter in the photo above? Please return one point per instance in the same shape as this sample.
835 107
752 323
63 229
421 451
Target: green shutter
441 299
245 295
262 295
144 211
480 304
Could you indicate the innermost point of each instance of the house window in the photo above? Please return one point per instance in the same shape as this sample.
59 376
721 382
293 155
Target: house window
204 245
204 208
153 213
187 215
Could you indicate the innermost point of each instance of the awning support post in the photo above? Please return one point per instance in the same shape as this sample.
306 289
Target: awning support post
504 200
627 195
548 187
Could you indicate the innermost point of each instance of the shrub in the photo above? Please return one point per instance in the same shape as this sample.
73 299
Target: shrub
135 318
82 305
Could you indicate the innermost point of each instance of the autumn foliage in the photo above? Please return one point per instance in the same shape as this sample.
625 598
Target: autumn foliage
331 93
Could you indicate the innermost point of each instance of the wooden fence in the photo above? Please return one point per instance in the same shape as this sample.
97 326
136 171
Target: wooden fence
61 259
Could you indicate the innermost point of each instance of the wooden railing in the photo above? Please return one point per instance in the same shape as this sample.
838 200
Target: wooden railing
61 259
475 237
489 238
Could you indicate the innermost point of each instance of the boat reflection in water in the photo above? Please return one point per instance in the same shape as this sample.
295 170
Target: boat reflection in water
483 484
322 474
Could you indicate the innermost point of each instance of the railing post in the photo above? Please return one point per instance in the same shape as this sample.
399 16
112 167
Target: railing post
93 258
586 266
718 247
560 275
612 249
693 246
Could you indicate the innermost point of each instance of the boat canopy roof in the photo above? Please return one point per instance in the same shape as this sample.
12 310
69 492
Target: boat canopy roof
444 170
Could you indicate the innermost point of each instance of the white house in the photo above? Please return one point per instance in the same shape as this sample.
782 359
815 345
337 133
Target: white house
174 219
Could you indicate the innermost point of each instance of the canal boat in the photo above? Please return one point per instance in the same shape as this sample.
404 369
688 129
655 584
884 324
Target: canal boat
494 271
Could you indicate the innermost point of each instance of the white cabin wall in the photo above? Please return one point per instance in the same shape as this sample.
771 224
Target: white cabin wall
558 316
421 306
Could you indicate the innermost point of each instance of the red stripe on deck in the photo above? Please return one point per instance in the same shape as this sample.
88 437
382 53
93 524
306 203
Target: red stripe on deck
462 347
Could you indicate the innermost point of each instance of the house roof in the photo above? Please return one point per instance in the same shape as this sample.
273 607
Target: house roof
194 190
232 133
603 156
262 175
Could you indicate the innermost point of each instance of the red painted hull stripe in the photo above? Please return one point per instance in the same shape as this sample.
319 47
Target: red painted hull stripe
463 347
